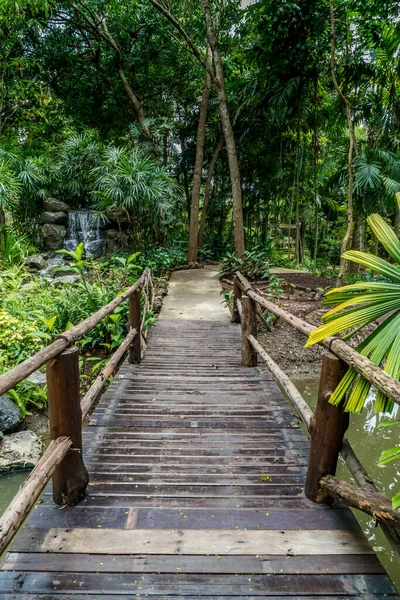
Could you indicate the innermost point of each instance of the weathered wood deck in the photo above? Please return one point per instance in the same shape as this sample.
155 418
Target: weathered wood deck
197 468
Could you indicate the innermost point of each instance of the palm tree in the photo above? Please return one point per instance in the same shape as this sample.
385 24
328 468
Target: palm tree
137 182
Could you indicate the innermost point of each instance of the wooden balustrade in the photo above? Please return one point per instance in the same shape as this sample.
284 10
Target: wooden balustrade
327 425
63 459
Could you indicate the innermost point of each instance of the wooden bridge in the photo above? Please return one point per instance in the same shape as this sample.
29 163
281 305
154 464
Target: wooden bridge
197 468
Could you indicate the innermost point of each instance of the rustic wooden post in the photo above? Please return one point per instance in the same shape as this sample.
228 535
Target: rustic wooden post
249 327
135 349
70 477
327 427
237 294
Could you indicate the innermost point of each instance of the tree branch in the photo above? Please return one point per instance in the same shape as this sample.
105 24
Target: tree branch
195 51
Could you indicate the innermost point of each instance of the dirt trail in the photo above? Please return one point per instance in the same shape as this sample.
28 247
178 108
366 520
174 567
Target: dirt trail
195 294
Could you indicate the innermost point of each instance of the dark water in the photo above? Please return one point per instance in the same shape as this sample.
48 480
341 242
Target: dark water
9 486
368 442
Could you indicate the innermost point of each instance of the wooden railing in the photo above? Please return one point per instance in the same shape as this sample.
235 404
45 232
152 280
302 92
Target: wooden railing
327 425
63 459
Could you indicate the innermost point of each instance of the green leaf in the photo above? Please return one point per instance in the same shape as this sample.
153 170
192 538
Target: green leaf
388 456
396 501
374 263
385 235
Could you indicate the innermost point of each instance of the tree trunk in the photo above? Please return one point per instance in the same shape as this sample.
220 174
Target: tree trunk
352 151
357 240
296 166
207 191
219 82
201 133
2 228
137 104
315 161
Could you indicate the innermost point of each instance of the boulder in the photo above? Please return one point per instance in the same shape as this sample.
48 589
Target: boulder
116 241
37 378
10 415
54 205
20 450
67 279
53 236
117 215
54 217
35 261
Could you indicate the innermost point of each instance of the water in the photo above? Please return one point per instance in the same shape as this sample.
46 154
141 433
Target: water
368 442
84 226
9 486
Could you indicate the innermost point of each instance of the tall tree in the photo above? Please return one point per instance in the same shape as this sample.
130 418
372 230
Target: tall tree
198 167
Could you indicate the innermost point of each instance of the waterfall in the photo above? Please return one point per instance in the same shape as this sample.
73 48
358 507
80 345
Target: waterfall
84 226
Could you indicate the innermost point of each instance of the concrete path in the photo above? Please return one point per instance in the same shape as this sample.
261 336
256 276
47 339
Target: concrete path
195 294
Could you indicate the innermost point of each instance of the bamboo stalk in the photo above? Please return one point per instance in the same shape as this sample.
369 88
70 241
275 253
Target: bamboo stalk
96 388
30 491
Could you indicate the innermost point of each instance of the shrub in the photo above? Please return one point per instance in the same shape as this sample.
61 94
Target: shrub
254 264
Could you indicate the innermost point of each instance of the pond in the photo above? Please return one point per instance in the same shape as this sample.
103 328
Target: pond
368 442
9 486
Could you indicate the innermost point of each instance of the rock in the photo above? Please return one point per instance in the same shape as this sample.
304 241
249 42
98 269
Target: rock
53 236
67 279
117 214
62 272
52 264
115 241
20 450
59 217
35 261
54 205
10 415
37 378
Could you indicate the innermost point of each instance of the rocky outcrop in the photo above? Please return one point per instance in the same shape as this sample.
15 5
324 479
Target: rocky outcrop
53 236
117 215
36 261
54 205
10 415
116 241
60 218
20 450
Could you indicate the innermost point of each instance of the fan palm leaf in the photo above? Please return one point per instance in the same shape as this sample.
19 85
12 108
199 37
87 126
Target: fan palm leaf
361 304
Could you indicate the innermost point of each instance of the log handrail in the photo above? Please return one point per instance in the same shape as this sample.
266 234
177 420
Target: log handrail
68 338
61 446
21 505
365 497
379 378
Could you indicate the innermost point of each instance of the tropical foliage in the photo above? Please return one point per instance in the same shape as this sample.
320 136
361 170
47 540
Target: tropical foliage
363 304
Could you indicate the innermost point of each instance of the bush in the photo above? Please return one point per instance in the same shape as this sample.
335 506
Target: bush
159 260
254 264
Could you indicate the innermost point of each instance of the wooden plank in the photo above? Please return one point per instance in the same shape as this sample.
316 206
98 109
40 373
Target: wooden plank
78 563
288 542
178 584
176 507
89 596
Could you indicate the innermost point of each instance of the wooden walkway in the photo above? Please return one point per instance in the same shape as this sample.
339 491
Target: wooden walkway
197 468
